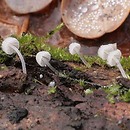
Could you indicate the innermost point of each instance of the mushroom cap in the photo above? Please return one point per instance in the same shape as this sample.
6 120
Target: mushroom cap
104 50
114 57
74 48
7 43
43 57
93 18
27 6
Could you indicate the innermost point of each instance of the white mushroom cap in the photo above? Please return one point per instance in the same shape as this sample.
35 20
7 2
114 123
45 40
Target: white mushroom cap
7 43
74 48
114 58
27 6
11 45
104 50
43 57
93 18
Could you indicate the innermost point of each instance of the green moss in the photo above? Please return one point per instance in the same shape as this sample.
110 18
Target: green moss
88 91
95 59
125 61
30 45
52 90
117 92
126 96
3 67
3 57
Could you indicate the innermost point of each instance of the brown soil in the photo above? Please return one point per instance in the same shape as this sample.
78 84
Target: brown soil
25 103
24 100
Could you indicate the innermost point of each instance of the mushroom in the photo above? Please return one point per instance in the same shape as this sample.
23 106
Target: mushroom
27 6
74 48
94 18
43 58
104 50
113 59
10 45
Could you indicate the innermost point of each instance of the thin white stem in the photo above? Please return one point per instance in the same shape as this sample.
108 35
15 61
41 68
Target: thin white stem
83 59
120 68
51 67
21 58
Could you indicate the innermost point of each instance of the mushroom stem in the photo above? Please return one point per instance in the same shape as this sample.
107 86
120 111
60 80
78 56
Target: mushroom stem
21 58
118 64
83 59
43 58
51 67
113 59
74 48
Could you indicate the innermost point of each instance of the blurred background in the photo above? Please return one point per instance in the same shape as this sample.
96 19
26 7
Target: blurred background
43 21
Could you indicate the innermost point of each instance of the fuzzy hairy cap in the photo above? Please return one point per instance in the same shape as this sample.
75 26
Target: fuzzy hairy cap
7 43
114 57
104 50
74 48
43 57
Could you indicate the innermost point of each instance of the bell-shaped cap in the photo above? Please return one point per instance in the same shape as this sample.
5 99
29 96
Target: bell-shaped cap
74 48
7 43
43 57
114 58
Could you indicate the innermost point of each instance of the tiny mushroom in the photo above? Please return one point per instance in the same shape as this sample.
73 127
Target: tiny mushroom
27 6
43 58
104 50
52 84
94 18
10 45
74 48
113 59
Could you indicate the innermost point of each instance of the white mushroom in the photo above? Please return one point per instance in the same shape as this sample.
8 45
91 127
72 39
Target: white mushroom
104 50
113 59
11 45
43 58
94 18
74 48
52 84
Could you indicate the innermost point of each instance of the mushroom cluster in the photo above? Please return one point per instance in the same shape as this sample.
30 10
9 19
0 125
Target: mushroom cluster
112 55
108 52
